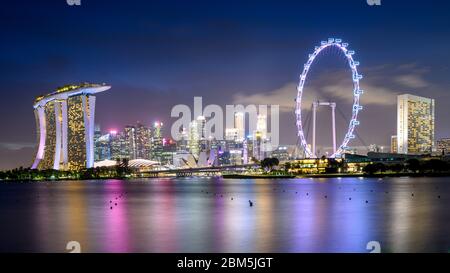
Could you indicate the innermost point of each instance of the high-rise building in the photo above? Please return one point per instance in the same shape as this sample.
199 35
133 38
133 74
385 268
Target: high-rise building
130 136
443 146
143 141
102 143
261 126
119 146
239 125
415 124
257 145
394 145
183 140
194 138
203 138
169 151
97 135
157 141
65 127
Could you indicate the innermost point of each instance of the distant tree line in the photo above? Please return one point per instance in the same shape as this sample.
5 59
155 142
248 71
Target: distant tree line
26 174
415 166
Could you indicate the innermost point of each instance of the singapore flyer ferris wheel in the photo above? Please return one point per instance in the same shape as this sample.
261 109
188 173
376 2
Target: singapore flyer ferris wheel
356 108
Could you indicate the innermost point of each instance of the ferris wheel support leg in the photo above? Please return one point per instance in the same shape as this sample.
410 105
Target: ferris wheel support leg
333 118
315 104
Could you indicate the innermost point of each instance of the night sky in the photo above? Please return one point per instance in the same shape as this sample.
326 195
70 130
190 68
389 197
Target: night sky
157 54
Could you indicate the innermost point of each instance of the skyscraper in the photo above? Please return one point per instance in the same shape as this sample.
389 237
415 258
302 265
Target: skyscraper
394 145
239 125
203 138
443 146
65 130
119 146
130 136
143 141
415 124
194 138
182 143
261 125
157 141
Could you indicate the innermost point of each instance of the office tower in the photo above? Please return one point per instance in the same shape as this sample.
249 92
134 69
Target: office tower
103 148
194 138
157 141
130 136
261 125
97 135
394 144
169 151
201 121
443 146
258 152
239 125
203 138
143 142
119 146
415 124
65 127
183 140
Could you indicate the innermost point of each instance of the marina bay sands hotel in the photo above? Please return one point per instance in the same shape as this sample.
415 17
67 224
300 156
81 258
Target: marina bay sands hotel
65 127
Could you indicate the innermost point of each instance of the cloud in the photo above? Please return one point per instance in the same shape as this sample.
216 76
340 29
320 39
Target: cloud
381 86
16 146
412 81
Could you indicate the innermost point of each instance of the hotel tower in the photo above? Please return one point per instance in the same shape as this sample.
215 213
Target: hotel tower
65 127
415 124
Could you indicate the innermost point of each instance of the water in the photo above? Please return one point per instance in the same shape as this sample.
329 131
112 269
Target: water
190 215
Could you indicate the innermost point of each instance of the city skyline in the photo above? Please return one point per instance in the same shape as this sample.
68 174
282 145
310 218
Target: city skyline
166 62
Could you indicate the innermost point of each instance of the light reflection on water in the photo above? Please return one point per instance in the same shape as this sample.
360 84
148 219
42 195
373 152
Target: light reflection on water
213 215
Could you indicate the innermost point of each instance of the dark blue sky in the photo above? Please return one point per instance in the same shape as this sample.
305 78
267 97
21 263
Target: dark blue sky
157 54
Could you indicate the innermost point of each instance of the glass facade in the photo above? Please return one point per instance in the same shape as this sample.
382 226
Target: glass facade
76 132
415 124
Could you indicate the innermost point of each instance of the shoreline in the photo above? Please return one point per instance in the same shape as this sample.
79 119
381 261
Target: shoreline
241 176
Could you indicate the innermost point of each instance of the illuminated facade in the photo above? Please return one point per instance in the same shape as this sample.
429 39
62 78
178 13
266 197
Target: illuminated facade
65 127
157 142
394 145
415 124
239 124
443 146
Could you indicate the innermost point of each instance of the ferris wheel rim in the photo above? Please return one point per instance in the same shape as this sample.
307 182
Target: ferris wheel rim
357 92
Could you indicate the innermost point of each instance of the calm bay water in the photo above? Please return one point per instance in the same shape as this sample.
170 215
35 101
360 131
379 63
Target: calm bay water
213 215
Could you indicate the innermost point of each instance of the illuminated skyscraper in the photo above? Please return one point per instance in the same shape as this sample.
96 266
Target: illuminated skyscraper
394 145
143 141
65 127
194 138
130 136
239 125
415 124
157 141
119 146
261 126
183 142
443 146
